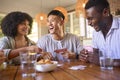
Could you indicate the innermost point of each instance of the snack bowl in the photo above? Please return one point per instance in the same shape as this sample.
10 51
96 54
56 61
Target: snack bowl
46 67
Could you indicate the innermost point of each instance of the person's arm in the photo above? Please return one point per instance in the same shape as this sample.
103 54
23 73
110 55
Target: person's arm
65 53
87 56
42 43
69 55
15 52
94 57
2 57
83 56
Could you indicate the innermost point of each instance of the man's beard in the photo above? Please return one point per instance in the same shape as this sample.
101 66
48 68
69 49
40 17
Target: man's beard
102 26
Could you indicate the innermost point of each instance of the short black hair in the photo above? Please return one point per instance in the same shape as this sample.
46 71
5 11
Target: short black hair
11 21
98 4
57 13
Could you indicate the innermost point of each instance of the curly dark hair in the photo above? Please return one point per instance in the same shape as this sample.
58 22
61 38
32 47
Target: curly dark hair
11 21
100 5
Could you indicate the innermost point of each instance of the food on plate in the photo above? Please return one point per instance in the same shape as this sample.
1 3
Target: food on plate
45 61
46 65
31 53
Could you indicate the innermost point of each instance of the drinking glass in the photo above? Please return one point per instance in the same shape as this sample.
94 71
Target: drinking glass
106 60
28 61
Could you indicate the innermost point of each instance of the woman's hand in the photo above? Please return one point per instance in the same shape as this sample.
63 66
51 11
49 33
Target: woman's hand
34 49
2 57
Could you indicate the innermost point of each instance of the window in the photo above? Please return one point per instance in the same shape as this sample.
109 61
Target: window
1 17
78 26
34 34
89 30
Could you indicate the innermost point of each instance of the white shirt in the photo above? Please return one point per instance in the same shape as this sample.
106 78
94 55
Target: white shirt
70 41
112 41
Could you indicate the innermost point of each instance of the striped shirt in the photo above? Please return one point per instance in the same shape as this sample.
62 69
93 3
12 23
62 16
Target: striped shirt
7 44
70 41
112 41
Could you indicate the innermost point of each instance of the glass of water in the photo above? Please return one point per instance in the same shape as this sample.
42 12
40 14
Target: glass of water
28 61
106 60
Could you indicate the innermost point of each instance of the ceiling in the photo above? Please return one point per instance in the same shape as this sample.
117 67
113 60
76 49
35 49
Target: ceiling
33 7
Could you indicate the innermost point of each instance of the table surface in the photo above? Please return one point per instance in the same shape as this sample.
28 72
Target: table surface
91 72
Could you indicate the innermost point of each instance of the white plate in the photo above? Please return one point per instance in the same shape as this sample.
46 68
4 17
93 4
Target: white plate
46 67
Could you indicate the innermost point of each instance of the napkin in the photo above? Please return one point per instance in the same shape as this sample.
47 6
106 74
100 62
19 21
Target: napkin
78 67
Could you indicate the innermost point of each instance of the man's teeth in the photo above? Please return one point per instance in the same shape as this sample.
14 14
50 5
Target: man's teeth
51 28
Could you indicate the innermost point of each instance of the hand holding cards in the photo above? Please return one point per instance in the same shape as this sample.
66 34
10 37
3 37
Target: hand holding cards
61 50
65 53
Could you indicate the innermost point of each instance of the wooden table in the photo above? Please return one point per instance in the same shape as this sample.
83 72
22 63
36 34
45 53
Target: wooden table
91 72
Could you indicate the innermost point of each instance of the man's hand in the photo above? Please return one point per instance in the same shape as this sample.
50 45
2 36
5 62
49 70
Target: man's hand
87 56
60 50
83 56
47 55
65 53
68 55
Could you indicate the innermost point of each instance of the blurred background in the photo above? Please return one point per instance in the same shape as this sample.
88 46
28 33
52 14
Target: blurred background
72 9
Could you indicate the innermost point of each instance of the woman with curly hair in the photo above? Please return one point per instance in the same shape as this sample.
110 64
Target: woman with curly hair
16 26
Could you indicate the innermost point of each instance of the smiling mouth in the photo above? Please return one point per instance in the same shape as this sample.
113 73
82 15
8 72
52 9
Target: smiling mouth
25 31
51 28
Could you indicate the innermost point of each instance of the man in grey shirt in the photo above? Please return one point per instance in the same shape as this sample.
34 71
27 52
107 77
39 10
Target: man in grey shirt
59 44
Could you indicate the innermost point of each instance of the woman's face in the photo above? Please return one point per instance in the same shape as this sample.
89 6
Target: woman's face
23 28
55 24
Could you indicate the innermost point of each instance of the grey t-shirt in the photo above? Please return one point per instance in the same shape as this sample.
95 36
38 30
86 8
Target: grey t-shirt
70 41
